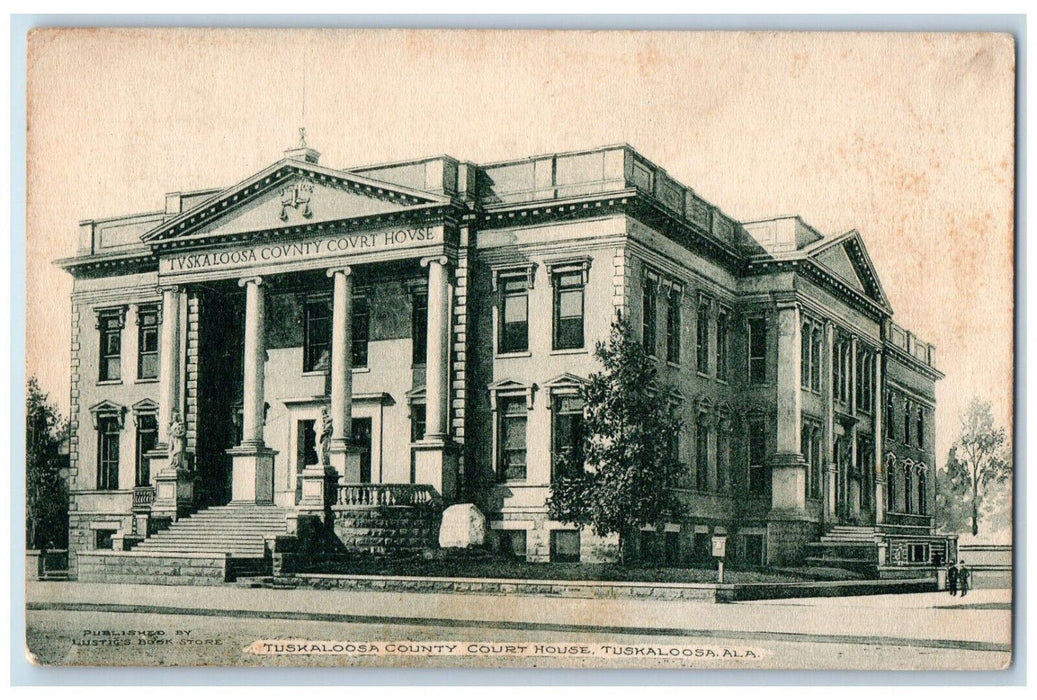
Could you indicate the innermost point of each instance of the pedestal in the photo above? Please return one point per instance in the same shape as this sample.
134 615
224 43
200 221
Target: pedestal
788 482
252 479
174 488
435 464
318 489
345 461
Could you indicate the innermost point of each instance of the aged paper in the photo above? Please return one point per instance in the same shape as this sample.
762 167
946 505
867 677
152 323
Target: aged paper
317 314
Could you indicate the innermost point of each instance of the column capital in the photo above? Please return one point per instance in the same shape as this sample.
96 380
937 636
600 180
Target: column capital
256 280
785 300
441 259
171 288
344 269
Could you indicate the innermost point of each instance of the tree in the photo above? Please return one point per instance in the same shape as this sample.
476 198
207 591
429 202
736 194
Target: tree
46 508
978 466
625 474
953 495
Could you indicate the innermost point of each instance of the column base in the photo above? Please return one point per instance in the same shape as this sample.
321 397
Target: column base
788 482
435 464
174 488
252 479
345 461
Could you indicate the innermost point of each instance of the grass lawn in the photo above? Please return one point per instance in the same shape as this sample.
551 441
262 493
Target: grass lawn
477 564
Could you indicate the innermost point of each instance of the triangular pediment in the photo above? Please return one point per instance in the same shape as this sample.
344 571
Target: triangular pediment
288 194
847 258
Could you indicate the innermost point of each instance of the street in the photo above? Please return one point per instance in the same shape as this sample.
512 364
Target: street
91 624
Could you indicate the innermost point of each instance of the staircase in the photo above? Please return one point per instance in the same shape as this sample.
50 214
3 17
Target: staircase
850 547
240 530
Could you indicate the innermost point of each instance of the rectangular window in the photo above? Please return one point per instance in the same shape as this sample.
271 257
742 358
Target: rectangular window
757 350
103 539
804 357
568 311
513 312
417 421
566 434
147 342
419 328
816 480
701 457
918 553
673 326
361 331
757 457
111 346
891 420
565 545
891 489
512 543
147 439
920 427
723 460
837 372
702 338
723 349
649 302
317 336
815 359
107 453
907 422
753 551
512 439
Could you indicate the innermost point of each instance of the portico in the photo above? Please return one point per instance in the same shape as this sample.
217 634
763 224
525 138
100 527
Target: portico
260 244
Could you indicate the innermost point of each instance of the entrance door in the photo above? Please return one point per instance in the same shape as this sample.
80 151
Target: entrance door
362 440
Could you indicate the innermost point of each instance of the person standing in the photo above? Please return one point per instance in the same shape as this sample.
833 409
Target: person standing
963 578
952 579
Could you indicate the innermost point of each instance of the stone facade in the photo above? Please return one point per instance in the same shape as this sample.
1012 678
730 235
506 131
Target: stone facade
445 314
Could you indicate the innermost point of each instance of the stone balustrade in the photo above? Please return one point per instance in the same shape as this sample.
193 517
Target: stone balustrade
143 497
374 495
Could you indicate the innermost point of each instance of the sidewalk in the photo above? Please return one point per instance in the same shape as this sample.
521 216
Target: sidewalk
982 620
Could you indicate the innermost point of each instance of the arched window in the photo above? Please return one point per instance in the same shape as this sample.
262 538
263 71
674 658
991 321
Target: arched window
910 484
922 500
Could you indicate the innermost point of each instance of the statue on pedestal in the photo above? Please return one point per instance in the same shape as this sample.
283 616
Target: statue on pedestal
323 430
177 442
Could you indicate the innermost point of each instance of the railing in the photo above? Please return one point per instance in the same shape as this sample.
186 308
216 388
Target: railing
359 495
143 497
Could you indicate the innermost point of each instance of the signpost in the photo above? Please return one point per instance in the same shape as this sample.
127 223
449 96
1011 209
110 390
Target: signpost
720 551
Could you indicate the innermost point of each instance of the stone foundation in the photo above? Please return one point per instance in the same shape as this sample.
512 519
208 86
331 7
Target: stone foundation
386 529
153 568
787 540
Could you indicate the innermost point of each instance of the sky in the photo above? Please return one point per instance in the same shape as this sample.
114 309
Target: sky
907 138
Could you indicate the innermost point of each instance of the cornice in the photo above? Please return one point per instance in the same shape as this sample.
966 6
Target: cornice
913 362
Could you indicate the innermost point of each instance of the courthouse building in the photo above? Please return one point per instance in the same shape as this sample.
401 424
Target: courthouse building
444 314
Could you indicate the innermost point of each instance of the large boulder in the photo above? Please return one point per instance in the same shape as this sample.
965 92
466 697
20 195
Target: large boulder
463 525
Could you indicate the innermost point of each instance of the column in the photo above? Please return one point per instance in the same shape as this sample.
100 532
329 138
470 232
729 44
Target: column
252 479
341 354
255 358
853 506
435 456
831 459
437 372
174 485
169 363
788 471
344 459
877 458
